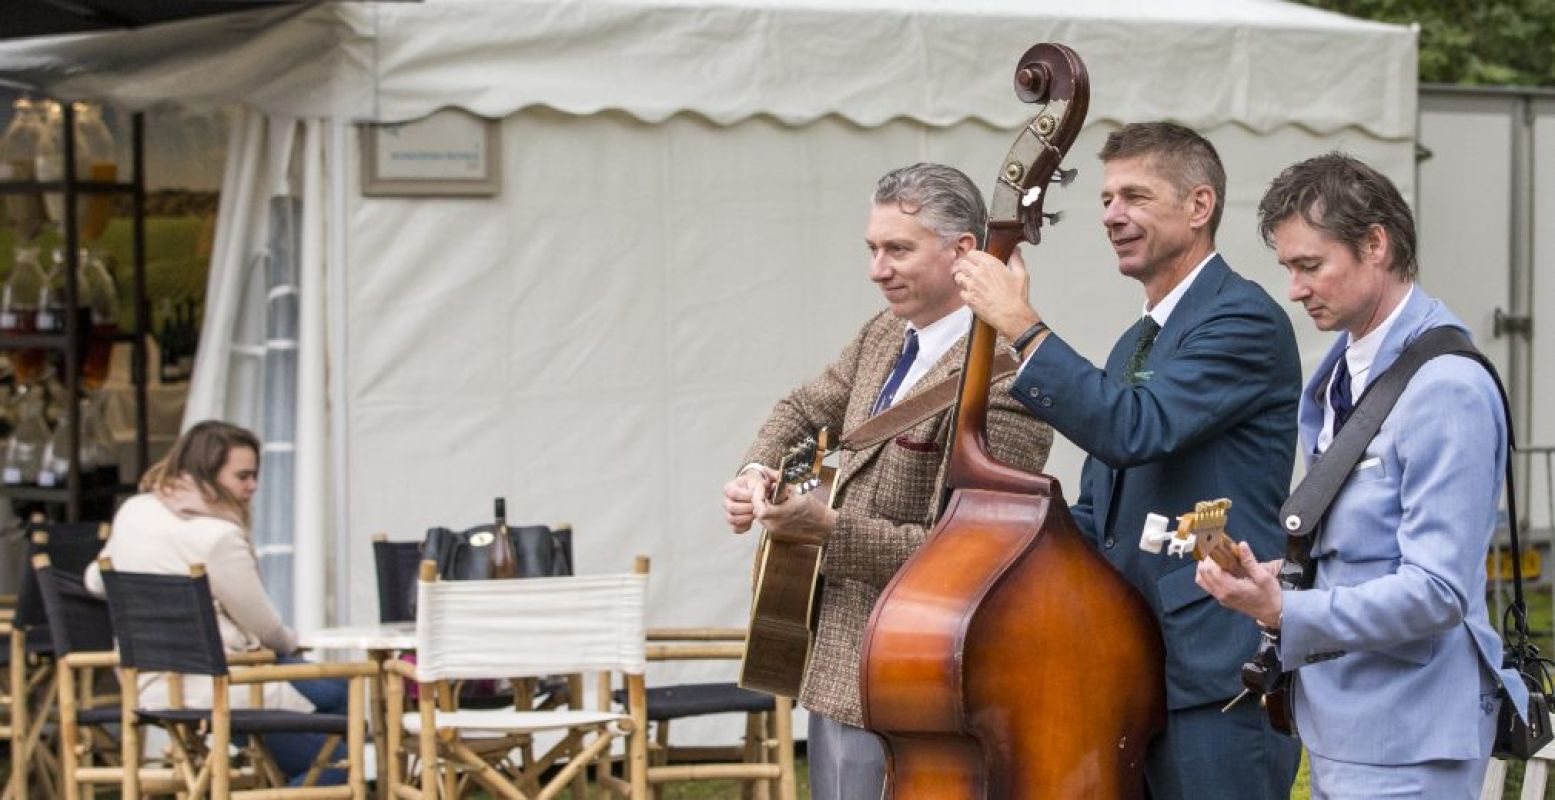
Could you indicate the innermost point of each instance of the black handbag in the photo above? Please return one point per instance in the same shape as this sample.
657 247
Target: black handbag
539 551
1515 737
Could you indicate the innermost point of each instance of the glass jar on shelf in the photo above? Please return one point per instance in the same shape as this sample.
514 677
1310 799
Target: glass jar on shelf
97 453
18 162
49 160
96 160
19 298
24 449
97 311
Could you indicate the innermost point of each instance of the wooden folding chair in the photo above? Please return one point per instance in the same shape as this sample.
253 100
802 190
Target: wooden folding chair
84 655
30 689
523 628
763 762
167 624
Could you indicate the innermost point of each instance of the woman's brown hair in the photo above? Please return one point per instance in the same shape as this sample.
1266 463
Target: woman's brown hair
200 454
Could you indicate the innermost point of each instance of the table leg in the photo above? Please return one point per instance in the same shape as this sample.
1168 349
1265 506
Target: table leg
375 693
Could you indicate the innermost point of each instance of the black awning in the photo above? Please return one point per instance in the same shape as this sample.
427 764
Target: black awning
19 18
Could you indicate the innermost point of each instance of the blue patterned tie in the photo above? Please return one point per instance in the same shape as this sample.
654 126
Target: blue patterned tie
903 364
1339 395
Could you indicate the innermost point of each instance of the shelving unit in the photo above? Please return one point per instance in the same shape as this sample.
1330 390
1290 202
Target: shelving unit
71 341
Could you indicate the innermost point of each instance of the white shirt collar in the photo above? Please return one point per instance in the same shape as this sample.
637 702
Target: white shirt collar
1164 309
1359 356
934 340
1361 353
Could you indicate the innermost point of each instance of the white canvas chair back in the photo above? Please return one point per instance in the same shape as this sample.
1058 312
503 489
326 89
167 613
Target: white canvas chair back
530 627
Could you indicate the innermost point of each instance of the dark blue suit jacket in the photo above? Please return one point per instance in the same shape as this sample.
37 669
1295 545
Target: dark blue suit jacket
1214 416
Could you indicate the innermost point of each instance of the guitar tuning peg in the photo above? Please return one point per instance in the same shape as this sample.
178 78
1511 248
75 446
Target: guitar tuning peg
1053 218
1065 176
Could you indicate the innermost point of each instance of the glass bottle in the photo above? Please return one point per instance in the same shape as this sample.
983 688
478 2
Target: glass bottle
96 454
504 562
97 311
19 312
49 160
96 160
18 162
24 450
100 296
189 341
167 347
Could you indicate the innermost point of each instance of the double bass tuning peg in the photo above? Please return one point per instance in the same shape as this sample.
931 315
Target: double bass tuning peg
1053 217
1064 177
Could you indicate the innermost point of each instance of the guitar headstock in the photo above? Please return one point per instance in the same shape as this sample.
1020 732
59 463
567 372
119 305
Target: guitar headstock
1053 76
1201 532
800 466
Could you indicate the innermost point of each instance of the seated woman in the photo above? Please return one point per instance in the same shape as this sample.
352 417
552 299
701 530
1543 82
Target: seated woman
194 509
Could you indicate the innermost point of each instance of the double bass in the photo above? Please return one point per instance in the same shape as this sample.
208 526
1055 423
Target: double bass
1006 659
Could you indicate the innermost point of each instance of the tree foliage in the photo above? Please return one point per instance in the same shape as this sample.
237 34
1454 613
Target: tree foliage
1494 42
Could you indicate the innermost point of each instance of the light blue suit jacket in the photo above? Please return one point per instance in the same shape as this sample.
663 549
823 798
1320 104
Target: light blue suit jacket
1400 560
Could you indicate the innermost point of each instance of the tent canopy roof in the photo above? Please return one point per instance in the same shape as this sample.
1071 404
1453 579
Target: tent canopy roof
1261 64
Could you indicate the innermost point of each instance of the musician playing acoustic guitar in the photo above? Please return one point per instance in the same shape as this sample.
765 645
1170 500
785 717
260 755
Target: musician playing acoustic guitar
1197 400
1395 661
923 218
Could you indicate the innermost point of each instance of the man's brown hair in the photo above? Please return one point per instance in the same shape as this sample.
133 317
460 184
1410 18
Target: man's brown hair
1179 154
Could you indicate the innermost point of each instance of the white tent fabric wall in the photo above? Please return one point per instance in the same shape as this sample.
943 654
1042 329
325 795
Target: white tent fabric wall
631 339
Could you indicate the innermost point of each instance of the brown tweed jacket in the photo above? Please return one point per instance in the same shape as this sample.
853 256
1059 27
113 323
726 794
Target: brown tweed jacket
887 495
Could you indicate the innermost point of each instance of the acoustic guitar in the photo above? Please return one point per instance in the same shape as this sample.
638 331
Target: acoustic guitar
787 582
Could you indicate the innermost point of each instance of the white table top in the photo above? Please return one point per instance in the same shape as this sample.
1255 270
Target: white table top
385 636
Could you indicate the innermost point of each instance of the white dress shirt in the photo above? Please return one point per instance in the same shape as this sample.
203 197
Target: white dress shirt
934 340
1164 309
1358 358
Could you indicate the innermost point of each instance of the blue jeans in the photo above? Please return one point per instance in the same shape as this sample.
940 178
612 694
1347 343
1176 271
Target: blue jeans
294 752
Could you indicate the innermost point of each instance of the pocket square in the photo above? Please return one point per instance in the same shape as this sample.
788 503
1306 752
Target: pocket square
917 446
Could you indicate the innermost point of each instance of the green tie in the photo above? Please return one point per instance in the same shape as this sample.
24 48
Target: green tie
1136 362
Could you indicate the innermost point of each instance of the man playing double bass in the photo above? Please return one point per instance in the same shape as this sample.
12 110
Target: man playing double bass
923 218
1197 400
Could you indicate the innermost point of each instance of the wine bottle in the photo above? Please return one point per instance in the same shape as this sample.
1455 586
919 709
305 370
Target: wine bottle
167 342
504 562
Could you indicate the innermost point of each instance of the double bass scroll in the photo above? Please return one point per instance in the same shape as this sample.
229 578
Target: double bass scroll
1007 660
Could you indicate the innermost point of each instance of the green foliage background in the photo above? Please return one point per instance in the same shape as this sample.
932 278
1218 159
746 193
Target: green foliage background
1477 42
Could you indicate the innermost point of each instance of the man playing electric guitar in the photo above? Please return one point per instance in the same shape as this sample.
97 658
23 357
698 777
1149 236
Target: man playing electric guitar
1398 674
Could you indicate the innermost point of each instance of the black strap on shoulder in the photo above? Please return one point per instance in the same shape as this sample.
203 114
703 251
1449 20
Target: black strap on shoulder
1306 506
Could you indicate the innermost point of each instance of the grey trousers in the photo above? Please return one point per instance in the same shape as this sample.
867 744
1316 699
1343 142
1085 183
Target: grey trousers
846 763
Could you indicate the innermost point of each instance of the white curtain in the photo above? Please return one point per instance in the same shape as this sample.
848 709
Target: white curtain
262 357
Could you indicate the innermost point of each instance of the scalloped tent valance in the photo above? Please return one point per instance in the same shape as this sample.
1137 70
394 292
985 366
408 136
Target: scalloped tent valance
1261 64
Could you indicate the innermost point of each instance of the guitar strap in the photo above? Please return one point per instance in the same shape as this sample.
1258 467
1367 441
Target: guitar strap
902 416
1306 506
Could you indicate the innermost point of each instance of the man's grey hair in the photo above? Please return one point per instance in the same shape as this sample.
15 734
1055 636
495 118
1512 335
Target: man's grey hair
943 199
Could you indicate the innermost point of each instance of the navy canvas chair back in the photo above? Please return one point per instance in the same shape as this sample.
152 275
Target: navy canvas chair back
396 564
165 623
70 548
78 621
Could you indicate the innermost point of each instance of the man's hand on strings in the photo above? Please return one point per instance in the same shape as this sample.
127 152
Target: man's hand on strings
1258 595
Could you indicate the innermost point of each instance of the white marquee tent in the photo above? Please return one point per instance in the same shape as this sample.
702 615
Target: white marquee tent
676 240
